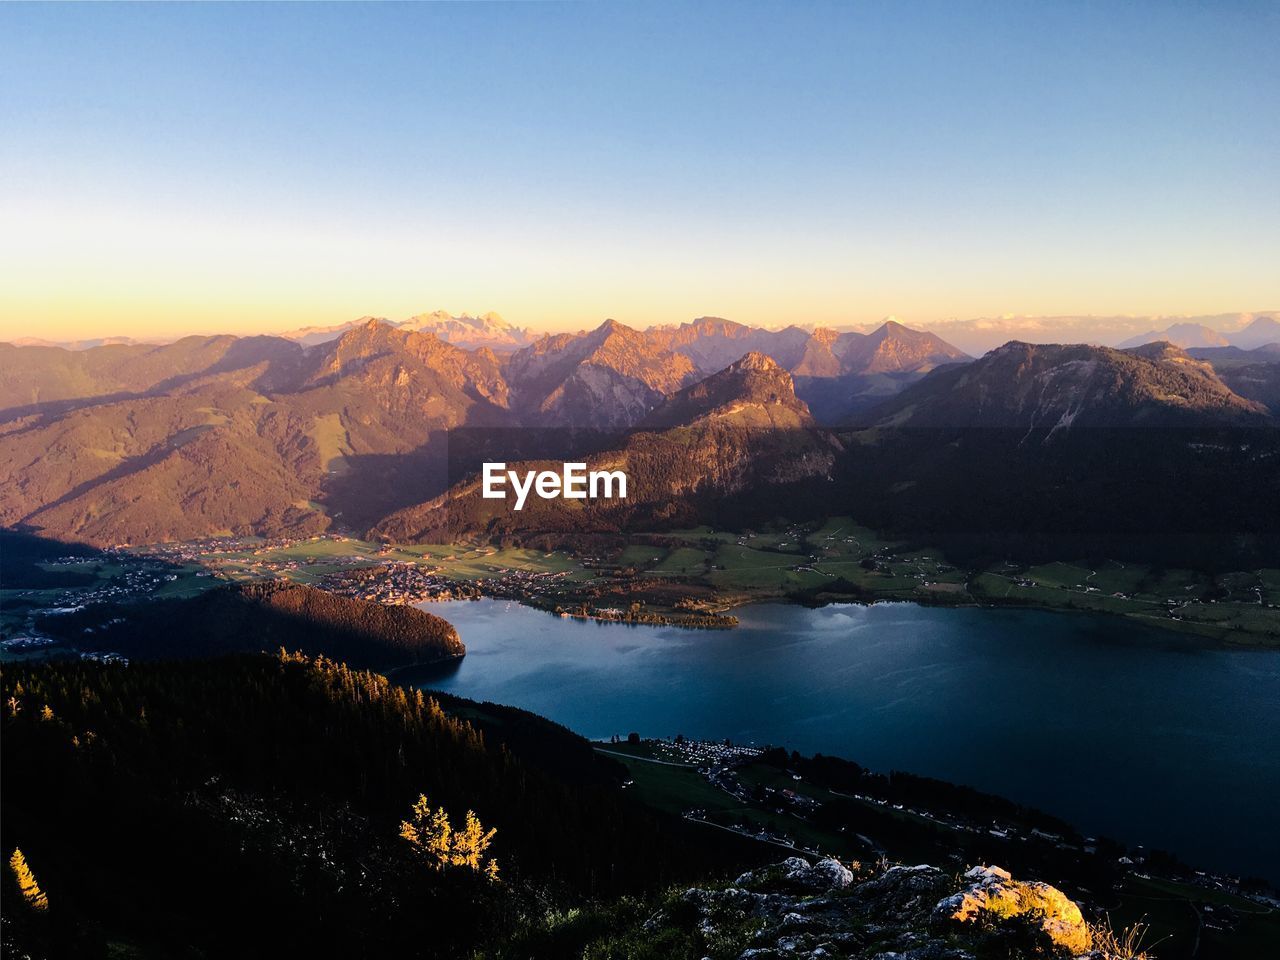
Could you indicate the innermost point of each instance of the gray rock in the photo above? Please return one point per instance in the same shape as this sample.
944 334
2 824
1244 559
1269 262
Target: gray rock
933 950
818 912
832 874
903 894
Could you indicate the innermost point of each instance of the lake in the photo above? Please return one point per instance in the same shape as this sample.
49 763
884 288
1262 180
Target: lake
1123 730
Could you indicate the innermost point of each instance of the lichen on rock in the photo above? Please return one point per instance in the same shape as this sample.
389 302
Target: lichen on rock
993 896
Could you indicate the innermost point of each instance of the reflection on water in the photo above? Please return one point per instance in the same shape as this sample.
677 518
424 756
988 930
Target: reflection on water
1134 733
426 674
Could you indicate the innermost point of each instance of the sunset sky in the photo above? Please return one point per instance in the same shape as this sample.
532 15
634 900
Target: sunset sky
169 168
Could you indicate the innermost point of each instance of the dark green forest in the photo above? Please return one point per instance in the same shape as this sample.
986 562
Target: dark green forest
245 618
249 806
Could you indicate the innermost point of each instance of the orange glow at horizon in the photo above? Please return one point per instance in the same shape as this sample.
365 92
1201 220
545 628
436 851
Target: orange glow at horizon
83 274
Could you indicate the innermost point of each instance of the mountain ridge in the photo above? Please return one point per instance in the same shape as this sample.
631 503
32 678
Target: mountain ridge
1057 387
740 432
235 436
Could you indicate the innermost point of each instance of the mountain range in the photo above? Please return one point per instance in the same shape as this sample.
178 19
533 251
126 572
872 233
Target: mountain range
1259 332
737 434
368 430
973 336
470 333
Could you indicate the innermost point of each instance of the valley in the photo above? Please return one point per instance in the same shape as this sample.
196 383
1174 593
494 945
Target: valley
697 577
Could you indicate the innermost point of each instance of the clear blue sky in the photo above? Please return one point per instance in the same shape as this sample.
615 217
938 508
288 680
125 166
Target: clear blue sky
254 167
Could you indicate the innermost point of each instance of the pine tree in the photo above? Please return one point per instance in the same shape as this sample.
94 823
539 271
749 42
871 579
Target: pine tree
27 885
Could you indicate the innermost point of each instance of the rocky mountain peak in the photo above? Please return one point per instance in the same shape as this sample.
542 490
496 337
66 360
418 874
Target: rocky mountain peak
470 332
611 328
754 386
893 348
755 360
826 336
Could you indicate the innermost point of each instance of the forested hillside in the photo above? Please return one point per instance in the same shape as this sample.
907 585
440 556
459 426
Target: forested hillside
252 806
247 618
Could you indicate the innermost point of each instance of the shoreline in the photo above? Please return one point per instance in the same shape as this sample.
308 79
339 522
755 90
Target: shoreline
707 597
1188 637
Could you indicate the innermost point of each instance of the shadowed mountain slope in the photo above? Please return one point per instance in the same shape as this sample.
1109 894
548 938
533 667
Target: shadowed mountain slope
1054 387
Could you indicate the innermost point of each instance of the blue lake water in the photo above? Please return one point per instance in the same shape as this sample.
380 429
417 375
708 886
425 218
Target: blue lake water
1129 732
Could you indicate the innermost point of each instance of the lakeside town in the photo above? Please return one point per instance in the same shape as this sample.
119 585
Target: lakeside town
553 591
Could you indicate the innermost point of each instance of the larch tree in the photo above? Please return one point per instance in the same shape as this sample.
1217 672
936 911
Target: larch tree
27 885
432 834
470 843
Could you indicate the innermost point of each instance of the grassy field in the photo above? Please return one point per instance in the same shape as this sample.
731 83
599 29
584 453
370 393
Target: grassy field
640 555
683 562
1175 916
1240 608
311 560
677 788
673 789
836 559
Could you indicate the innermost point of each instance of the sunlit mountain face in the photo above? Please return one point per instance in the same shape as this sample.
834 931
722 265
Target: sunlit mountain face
352 433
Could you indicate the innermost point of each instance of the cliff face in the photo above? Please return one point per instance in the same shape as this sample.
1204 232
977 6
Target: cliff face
796 910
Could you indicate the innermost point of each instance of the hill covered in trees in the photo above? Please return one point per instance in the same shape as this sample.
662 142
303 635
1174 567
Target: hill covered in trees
245 618
256 806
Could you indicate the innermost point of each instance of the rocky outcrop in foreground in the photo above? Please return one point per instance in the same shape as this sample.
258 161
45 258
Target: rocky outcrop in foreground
993 894
797 910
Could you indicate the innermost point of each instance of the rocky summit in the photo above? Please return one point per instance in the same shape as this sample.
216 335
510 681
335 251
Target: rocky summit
797 910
